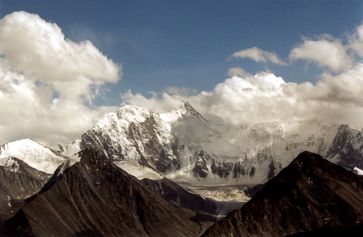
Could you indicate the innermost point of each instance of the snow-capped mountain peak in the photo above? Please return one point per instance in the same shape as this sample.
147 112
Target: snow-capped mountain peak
136 133
124 116
183 110
33 154
188 109
182 145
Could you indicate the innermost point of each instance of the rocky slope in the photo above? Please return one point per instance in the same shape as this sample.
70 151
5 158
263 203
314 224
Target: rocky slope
311 193
93 197
181 197
18 181
353 230
25 166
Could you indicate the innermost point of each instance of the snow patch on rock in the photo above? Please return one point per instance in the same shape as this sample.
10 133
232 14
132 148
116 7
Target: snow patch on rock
140 172
358 171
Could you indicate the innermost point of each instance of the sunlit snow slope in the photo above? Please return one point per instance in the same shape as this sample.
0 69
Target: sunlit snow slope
33 154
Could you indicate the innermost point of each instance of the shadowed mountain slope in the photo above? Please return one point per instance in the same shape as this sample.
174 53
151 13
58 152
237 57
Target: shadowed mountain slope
352 230
18 181
94 197
309 194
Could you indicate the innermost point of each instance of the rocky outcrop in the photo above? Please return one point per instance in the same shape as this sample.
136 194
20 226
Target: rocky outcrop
347 148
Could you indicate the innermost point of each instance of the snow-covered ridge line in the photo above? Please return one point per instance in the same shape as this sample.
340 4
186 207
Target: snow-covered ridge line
183 145
32 153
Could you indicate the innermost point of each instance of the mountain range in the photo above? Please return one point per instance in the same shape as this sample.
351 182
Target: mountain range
138 172
185 147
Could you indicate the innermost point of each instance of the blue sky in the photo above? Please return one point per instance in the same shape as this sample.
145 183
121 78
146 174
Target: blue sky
186 43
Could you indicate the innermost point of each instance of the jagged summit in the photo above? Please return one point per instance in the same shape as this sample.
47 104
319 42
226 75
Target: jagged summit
188 109
184 110
184 146
135 133
346 148
135 114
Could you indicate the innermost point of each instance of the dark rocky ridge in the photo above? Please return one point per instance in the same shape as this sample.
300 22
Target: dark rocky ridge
207 211
309 194
205 208
18 181
95 198
353 230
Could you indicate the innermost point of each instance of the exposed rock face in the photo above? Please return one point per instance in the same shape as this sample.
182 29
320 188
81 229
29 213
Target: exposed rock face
347 148
309 194
93 197
18 181
201 167
133 133
184 144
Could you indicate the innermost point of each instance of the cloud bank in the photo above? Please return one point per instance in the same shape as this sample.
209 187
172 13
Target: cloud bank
48 82
265 97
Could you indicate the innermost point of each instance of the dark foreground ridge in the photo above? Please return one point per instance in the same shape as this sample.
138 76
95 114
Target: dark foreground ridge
310 194
95 198
206 209
351 230
18 181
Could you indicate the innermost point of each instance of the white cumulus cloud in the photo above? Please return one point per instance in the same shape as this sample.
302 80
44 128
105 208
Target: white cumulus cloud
326 52
356 41
265 97
46 80
39 50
